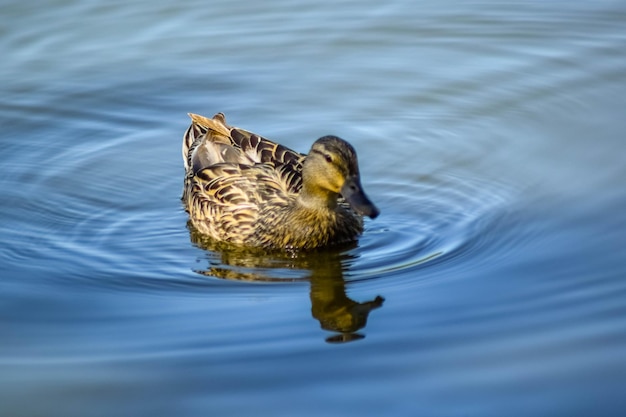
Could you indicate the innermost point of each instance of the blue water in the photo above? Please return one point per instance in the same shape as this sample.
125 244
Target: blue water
490 135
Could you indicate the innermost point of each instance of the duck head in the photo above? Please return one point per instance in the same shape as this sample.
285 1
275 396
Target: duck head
331 168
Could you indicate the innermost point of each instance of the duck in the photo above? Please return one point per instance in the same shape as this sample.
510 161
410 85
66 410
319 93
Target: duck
243 189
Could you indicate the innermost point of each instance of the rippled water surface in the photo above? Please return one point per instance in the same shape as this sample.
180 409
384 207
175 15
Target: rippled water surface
490 135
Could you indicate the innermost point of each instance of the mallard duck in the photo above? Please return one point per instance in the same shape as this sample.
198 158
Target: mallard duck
246 190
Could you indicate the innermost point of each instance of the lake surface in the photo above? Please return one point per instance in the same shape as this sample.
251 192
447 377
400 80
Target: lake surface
490 135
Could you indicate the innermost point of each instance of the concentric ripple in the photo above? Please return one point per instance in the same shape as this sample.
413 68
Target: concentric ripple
439 220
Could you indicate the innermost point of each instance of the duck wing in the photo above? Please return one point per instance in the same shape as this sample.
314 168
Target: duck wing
232 196
212 141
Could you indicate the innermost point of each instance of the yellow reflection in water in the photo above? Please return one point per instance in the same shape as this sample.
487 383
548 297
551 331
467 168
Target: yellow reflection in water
323 268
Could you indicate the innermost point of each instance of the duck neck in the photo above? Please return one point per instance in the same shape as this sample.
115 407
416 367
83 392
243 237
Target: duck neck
317 198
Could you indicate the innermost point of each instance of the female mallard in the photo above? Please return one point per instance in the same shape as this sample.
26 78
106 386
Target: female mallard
246 190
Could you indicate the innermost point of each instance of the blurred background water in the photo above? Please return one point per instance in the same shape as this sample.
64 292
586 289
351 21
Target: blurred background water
490 134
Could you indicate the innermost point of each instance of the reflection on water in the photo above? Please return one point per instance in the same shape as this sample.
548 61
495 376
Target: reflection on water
335 310
323 268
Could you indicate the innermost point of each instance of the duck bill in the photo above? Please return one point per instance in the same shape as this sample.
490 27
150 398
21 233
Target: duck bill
354 195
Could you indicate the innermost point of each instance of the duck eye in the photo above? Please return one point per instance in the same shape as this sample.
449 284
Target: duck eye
329 158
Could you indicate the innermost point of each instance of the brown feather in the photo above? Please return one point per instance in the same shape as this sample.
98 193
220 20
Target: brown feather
244 189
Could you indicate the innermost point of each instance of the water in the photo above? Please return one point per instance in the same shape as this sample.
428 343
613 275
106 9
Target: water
490 134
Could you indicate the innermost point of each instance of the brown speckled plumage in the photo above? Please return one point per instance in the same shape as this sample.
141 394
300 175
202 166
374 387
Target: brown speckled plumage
246 190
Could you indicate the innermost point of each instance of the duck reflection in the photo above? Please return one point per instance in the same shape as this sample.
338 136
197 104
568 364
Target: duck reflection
330 304
337 312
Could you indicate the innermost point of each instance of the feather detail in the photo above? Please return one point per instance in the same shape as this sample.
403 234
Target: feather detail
244 189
